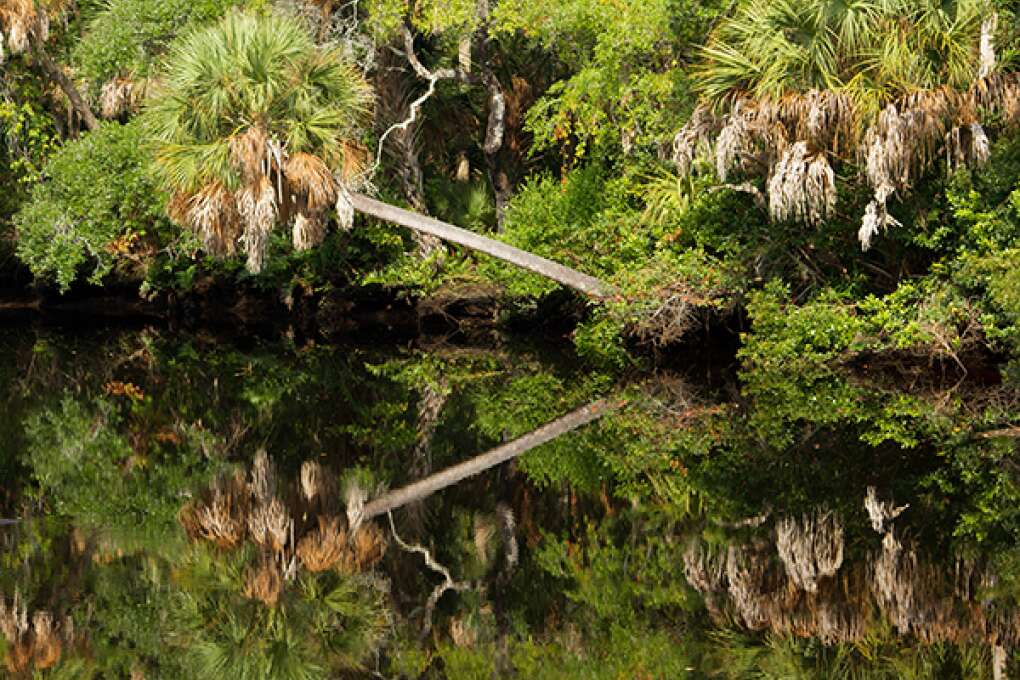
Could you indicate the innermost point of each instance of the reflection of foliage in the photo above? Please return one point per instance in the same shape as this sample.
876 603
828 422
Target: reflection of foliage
87 470
34 640
323 623
302 521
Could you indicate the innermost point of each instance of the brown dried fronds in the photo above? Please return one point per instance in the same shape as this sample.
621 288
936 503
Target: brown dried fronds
262 480
19 656
323 548
318 487
998 92
212 214
811 548
218 516
178 207
249 153
365 550
116 98
35 643
880 512
13 616
484 531
463 633
308 231
265 583
46 642
258 210
23 20
930 600
369 546
694 138
802 187
310 178
269 524
356 158
313 477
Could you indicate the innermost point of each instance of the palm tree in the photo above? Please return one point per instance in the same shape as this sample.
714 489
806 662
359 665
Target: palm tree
319 625
255 126
789 87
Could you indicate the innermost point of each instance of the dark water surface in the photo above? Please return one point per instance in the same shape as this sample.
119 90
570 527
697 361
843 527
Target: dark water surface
183 506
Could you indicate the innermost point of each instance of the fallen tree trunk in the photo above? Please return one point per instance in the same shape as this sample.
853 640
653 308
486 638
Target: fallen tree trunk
571 278
451 475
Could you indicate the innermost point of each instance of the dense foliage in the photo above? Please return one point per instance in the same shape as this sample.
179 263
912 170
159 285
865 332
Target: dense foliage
806 219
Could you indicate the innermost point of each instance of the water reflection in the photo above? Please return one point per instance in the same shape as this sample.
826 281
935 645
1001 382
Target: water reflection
191 508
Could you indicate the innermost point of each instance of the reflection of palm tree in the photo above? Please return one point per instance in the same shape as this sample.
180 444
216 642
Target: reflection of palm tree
320 624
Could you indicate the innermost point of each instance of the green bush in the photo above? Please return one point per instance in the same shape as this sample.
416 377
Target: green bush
126 37
96 201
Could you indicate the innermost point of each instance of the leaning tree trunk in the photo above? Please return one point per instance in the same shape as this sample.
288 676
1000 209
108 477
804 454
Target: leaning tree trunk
451 475
571 278
54 72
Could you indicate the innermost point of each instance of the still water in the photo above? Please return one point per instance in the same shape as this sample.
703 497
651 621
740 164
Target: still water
183 506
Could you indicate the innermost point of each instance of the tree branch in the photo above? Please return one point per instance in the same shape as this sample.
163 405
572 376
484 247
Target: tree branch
56 74
451 475
430 562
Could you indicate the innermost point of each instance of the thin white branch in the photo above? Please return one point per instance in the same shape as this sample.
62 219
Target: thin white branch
430 562
403 125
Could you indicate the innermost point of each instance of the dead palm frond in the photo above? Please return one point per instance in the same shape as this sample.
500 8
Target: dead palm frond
323 548
814 594
810 549
262 479
309 177
46 642
269 524
264 583
35 642
219 515
24 21
308 231
369 546
366 548
212 213
115 98
484 531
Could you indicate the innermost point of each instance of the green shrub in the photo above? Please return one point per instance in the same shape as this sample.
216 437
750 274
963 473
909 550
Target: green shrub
127 36
96 201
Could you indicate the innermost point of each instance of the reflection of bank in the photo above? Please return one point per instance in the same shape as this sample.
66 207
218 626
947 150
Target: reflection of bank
812 591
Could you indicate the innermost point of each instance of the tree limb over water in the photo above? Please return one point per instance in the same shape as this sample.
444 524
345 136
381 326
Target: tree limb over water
571 278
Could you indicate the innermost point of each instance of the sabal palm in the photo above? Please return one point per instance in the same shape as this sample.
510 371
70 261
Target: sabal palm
254 126
787 87
320 624
876 50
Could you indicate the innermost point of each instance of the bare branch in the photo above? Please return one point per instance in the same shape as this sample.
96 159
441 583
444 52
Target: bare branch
430 562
